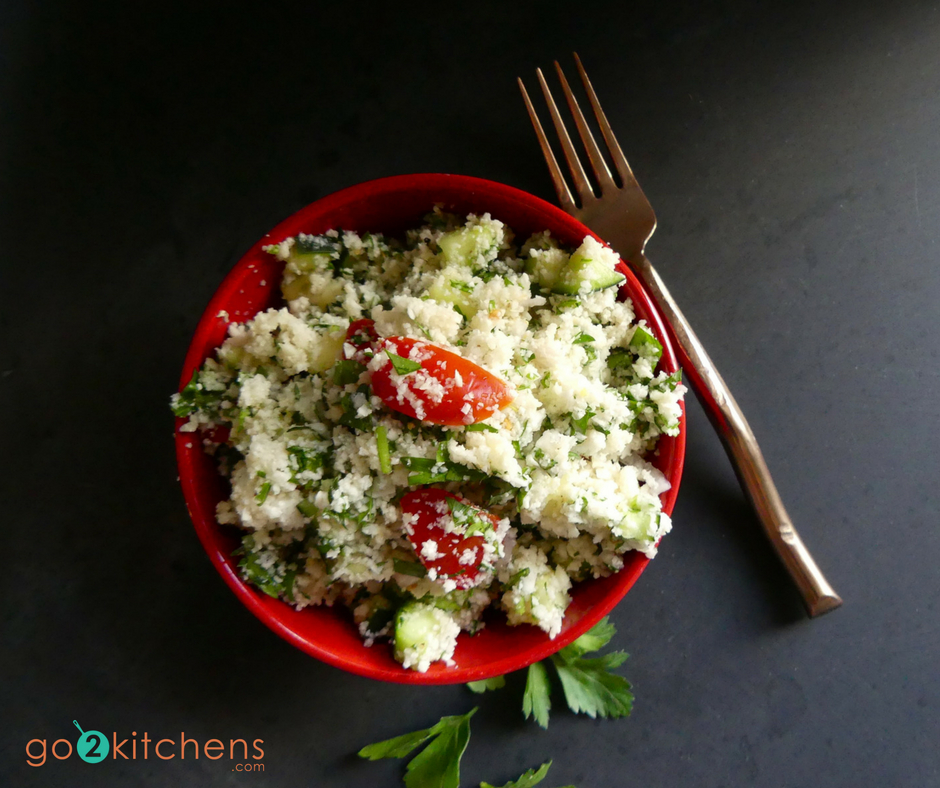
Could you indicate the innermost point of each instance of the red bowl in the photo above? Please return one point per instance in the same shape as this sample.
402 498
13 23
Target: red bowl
391 205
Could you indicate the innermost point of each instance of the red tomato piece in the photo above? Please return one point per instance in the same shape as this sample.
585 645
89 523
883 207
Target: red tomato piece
218 433
427 513
362 335
447 389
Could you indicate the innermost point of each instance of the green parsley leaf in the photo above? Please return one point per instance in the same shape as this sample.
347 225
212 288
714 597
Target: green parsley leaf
526 780
480 427
347 371
594 639
438 765
537 702
591 688
495 683
619 358
583 339
403 366
350 417
468 517
308 509
581 425
409 568
262 496
645 344
400 746
195 397
429 471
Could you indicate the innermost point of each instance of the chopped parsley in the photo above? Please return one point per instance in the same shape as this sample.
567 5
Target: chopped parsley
480 427
347 371
403 366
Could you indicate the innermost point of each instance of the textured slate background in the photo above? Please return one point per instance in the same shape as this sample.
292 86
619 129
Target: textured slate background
791 152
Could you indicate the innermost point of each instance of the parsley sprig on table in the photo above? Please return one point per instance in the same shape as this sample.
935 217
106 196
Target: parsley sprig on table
589 686
438 764
528 779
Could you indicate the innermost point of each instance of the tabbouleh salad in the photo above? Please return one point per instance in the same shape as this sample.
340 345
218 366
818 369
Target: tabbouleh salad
435 426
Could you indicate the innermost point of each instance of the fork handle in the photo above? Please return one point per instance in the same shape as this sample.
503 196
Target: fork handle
741 446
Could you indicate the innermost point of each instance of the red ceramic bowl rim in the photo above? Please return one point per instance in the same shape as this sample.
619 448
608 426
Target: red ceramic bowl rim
205 340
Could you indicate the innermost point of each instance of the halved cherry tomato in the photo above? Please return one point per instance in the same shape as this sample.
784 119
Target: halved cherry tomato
218 433
362 336
427 511
447 389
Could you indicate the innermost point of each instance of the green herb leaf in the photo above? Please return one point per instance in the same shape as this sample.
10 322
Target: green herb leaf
262 496
308 509
537 702
409 568
195 397
580 425
350 417
381 445
583 339
526 780
429 471
347 371
400 746
480 427
619 358
591 688
438 765
594 639
495 683
403 366
468 517
645 344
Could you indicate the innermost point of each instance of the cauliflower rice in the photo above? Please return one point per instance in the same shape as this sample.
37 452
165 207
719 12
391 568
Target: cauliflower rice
547 490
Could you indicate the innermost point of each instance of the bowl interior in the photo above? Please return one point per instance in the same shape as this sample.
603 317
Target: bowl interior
391 205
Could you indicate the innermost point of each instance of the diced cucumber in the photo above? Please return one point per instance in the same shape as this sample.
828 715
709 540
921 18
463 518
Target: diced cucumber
305 262
598 274
325 353
464 246
423 633
545 265
450 292
321 289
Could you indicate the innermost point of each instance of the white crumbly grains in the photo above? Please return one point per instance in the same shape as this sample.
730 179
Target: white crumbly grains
561 466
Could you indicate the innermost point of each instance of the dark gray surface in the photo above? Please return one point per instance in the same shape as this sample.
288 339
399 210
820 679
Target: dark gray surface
791 152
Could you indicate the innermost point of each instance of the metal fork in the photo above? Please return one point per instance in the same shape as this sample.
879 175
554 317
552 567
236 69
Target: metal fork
623 217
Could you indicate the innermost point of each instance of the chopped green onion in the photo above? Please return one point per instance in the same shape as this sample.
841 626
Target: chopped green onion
381 444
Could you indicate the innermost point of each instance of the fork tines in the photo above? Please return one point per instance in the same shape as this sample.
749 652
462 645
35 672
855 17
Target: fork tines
599 167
